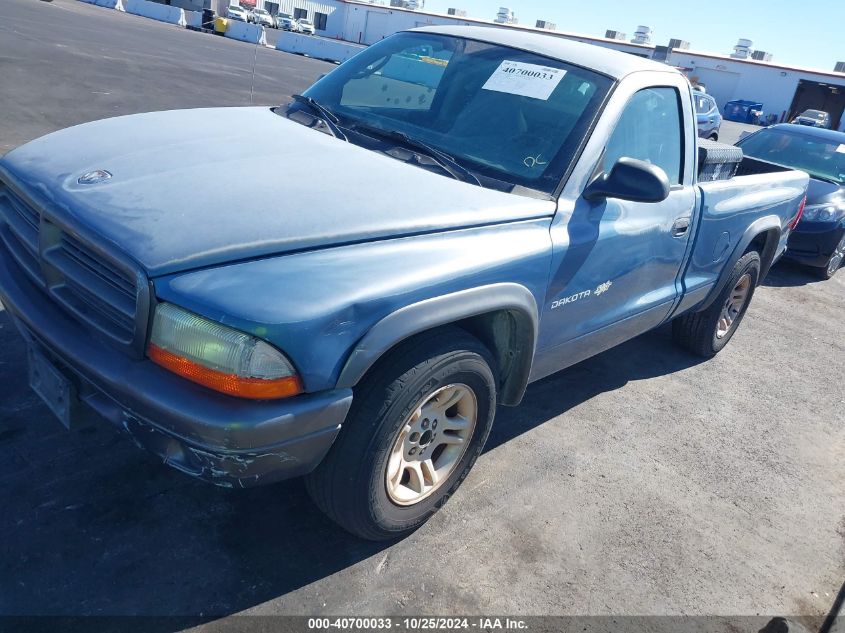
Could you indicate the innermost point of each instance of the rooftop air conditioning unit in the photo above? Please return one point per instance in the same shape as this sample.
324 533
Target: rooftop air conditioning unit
742 50
505 16
761 56
676 44
642 35
615 35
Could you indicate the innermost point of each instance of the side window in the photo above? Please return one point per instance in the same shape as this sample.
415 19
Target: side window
711 104
650 130
701 105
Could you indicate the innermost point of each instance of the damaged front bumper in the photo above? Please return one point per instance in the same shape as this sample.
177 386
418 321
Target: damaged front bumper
228 441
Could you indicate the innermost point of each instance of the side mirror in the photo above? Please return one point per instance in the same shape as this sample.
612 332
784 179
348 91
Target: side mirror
630 179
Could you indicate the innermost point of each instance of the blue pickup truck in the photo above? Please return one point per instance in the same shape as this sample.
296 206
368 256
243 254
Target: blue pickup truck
450 215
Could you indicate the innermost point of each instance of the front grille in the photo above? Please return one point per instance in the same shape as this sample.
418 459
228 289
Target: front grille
101 292
19 232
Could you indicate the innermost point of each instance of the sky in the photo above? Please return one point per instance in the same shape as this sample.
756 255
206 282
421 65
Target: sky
799 33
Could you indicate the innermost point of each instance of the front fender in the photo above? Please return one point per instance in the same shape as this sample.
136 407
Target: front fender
458 306
323 307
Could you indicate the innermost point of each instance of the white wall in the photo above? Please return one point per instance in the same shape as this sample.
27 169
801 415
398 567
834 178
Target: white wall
354 27
728 79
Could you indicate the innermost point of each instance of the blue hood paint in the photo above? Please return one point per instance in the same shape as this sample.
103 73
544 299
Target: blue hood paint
197 188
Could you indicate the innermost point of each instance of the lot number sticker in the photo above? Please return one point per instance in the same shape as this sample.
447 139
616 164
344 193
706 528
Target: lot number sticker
528 80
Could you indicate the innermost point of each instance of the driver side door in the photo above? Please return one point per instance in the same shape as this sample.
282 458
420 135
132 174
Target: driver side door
616 263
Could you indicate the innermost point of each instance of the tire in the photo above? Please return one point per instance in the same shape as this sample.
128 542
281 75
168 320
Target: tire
707 332
353 485
837 258
713 137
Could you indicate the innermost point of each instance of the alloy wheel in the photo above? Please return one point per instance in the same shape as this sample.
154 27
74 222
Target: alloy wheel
430 444
733 306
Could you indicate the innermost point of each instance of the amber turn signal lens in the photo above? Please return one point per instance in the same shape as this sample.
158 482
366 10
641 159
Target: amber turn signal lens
242 387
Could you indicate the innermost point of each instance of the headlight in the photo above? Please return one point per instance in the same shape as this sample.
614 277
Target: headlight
219 357
823 213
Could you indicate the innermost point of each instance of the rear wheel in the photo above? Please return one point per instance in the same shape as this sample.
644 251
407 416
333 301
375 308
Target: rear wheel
835 261
707 332
418 422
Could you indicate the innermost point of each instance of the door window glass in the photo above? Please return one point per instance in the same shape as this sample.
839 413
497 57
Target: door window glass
649 130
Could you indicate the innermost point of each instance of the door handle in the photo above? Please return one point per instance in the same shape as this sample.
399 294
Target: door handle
680 227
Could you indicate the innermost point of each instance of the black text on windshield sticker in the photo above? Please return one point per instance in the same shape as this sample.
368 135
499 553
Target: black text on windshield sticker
528 80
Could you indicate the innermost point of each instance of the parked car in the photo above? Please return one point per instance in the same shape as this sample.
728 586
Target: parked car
264 18
286 22
543 208
235 12
708 116
819 238
813 118
306 26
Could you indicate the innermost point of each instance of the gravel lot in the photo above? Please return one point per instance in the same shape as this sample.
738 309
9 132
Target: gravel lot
638 482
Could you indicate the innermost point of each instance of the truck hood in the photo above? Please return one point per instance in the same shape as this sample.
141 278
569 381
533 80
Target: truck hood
196 188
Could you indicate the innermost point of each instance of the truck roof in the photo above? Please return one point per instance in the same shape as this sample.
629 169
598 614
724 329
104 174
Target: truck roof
604 60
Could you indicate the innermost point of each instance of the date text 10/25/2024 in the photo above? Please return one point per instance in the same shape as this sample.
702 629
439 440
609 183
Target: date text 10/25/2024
417 624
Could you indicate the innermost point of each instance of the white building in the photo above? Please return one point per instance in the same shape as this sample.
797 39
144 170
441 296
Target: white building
784 91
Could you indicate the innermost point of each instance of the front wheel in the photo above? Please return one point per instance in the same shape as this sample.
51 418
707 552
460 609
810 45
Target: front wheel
418 422
707 332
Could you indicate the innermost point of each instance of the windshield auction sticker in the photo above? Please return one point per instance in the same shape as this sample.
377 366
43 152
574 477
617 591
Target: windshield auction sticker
528 80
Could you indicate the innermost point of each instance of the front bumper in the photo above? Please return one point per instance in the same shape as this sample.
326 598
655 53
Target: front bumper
228 441
812 243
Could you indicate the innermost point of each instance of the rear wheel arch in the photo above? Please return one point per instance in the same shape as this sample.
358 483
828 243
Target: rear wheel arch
503 317
766 245
763 236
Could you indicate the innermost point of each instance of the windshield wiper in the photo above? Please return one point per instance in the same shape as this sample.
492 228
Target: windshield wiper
326 116
439 157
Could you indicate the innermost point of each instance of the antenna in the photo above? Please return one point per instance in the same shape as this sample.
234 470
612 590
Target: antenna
252 83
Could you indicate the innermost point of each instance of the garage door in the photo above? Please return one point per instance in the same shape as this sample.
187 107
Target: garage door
376 28
721 85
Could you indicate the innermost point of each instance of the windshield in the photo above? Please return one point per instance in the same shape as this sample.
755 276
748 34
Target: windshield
304 21
815 114
821 158
511 115
261 12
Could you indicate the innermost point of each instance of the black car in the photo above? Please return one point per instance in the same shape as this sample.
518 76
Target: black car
819 238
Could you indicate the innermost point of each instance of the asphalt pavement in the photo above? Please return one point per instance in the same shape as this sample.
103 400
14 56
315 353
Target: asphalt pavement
642 481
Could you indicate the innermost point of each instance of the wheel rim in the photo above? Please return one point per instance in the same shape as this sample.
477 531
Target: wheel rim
837 257
430 444
733 306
